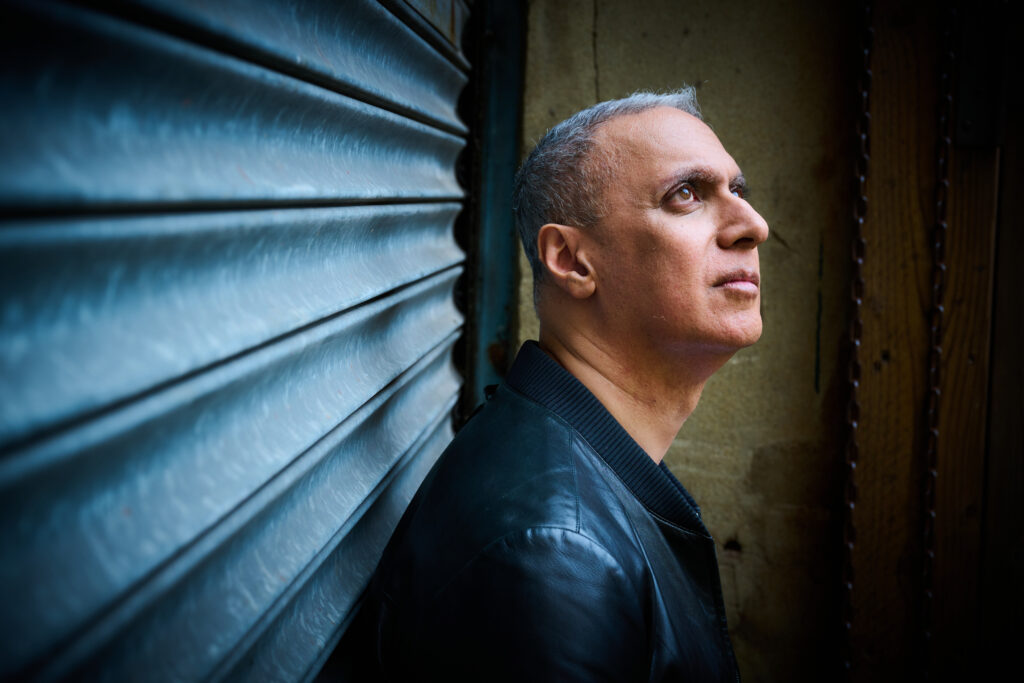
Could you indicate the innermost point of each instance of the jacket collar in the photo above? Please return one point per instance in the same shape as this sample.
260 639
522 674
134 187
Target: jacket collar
538 376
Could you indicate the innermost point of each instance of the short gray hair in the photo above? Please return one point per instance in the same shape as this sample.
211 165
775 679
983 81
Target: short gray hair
560 183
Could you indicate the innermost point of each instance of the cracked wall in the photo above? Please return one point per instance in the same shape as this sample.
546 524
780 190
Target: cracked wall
762 451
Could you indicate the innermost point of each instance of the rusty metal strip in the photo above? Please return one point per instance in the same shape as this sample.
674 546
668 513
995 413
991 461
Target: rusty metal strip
856 329
947 59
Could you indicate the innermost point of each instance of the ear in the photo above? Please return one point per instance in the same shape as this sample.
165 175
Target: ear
559 249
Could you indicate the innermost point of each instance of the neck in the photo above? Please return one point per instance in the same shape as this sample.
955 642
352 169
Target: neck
650 397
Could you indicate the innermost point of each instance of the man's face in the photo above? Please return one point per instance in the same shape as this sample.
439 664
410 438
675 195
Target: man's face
676 251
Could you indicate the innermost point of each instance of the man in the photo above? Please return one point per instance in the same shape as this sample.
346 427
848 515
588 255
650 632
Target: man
550 543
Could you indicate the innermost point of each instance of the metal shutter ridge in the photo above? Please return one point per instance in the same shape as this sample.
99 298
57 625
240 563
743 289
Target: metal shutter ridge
226 324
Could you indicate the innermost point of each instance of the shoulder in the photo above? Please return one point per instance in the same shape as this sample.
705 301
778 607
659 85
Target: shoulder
513 466
513 477
513 541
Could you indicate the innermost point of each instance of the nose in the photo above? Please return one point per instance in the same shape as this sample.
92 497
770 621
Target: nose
741 227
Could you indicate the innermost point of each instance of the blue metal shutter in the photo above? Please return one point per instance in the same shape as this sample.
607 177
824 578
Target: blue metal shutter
226 324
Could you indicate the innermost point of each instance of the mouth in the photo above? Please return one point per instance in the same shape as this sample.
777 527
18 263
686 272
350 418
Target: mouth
740 275
740 281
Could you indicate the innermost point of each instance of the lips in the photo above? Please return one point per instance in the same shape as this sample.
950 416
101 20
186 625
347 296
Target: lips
738 276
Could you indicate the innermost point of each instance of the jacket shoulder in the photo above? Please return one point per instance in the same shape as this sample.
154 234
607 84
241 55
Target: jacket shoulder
516 533
511 467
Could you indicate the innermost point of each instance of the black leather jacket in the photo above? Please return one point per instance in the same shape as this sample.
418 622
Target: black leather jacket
545 545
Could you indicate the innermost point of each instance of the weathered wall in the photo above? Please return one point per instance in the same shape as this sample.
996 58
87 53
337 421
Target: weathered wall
762 452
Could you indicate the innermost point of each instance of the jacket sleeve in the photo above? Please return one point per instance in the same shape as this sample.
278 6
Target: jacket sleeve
543 604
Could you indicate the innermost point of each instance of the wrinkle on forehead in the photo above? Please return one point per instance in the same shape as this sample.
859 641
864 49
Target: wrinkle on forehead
673 140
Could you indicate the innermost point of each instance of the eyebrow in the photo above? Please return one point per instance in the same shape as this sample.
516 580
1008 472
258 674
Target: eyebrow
702 177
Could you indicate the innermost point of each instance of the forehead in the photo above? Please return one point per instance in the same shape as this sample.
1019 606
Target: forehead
660 141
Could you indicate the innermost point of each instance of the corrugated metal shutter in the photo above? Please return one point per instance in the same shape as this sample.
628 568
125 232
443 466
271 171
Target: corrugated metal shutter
226 272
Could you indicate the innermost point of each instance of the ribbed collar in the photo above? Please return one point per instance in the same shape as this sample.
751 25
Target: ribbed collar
538 376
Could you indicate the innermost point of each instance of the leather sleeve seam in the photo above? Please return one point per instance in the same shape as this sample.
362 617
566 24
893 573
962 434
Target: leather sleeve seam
522 532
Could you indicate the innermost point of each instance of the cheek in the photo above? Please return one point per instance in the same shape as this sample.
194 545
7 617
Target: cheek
681 271
671 296
657 273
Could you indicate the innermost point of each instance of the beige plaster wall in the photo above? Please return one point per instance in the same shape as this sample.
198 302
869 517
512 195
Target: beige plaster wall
762 451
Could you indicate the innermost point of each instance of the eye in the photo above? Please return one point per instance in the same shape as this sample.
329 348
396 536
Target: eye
738 192
686 193
683 199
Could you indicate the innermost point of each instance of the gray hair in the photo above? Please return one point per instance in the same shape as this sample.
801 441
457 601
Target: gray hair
561 183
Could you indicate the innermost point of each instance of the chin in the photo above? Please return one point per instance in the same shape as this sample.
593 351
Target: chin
744 334
722 338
